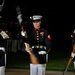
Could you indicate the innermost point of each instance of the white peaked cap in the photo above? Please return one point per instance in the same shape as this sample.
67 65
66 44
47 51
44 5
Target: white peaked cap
36 17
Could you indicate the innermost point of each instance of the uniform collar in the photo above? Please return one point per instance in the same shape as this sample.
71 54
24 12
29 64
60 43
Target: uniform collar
36 29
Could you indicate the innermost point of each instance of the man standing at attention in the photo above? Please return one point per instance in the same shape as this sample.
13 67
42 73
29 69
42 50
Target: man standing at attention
38 45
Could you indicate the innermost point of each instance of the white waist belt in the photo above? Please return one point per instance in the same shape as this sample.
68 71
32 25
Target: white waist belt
42 52
2 48
39 47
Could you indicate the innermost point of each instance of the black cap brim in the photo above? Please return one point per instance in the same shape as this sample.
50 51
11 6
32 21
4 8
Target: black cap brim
36 20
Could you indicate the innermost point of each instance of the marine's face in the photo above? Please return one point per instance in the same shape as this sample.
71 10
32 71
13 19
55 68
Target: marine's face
37 24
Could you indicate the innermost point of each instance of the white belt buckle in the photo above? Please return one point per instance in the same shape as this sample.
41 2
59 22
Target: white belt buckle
42 52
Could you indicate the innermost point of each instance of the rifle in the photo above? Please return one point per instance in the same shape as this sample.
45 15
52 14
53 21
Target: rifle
33 58
68 64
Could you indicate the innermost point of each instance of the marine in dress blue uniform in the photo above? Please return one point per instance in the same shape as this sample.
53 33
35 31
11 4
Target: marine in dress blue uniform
73 46
40 42
3 37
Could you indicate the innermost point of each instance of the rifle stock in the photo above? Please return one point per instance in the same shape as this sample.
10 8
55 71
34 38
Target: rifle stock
33 58
69 62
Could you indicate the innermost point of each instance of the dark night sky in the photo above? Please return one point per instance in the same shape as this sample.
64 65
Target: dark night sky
59 18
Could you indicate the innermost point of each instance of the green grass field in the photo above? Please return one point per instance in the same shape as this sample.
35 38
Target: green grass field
57 60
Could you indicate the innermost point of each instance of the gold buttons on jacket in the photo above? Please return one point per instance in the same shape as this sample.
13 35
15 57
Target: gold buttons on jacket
37 35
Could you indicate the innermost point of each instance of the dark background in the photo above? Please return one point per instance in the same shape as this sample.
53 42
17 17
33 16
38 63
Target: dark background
58 18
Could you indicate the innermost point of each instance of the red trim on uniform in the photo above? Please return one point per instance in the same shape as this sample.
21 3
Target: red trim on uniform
49 38
41 33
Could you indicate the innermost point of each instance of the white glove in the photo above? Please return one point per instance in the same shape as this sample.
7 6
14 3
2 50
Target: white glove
19 17
23 33
27 49
72 55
